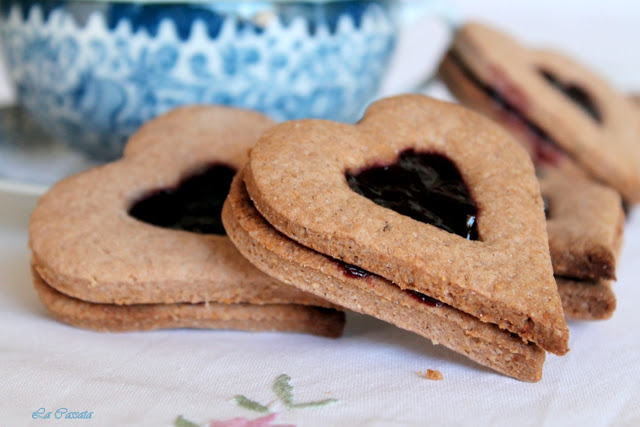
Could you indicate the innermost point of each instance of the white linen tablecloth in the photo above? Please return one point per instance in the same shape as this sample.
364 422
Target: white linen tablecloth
369 377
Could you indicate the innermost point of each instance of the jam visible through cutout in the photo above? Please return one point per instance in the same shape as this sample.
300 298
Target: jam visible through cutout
575 93
424 186
194 205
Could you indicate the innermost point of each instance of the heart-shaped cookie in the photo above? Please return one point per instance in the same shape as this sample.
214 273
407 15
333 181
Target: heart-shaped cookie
93 236
297 176
565 115
367 293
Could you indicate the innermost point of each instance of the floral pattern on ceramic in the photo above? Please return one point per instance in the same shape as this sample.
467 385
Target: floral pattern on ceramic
93 83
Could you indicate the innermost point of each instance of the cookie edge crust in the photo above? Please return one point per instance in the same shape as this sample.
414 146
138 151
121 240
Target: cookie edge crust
582 300
145 317
585 226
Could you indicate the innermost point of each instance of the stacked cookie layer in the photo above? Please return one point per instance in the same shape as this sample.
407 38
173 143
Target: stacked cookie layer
492 298
585 223
581 134
462 260
566 116
97 266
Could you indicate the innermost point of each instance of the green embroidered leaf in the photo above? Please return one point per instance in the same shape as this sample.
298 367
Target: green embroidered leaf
182 422
314 404
250 404
284 390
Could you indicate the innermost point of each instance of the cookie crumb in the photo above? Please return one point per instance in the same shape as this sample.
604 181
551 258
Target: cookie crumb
431 374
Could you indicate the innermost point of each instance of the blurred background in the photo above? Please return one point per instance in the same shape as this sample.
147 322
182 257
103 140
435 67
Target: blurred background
601 34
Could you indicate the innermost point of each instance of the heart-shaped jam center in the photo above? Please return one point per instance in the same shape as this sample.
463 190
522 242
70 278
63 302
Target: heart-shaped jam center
575 93
194 205
424 186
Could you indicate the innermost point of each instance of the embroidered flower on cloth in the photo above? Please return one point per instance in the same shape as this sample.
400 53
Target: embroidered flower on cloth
283 390
244 422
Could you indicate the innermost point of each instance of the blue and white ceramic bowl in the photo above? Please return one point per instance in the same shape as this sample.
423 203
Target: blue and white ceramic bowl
91 72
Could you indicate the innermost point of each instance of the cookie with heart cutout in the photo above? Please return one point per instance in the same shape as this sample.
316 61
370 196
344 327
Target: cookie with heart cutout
146 229
370 294
564 114
585 223
465 223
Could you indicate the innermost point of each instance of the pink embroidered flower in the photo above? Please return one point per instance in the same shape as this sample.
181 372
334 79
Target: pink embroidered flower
244 422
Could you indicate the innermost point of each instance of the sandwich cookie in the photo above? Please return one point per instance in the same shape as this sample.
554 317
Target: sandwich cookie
434 198
566 116
142 238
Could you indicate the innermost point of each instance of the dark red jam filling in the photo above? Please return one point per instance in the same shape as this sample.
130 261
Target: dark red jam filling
424 186
352 271
355 272
194 205
544 149
424 298
575 93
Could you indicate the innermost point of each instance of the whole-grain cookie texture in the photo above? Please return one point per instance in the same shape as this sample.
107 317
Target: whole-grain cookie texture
566 116
297 179
94 238
368 293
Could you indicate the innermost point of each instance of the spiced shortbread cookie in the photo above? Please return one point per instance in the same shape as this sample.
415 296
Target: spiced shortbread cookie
146 229
562 112
367 293
585 222
207 315
466 220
